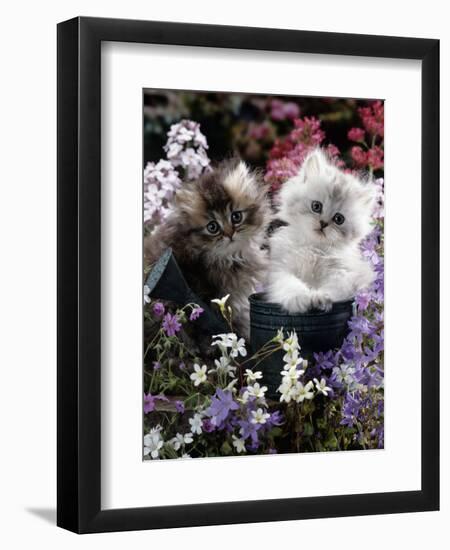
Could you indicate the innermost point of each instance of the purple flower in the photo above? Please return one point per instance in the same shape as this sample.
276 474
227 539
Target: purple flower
221 404
248 429
208 426
276 419
149 403
380 435
179 405
195 313
182 365
170 324
359 326
158 309
350 411
156 365
325 360
363 301
370 254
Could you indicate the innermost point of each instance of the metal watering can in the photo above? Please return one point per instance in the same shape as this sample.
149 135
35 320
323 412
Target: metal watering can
166 282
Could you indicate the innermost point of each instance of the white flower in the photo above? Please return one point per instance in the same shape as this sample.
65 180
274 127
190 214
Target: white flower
199 376
186 455
238 347
156 429
292 359
173 150
186 147
253 376
290 344
344 374
152 444
221 302
180 440
223 341
304 392
256 391
259 417
146 295
231 385
279 338
161 181
239 444
223 365
291 373
322 386
287 391
196 424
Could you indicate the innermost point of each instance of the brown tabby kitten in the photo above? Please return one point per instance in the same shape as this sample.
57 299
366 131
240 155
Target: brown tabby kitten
216 231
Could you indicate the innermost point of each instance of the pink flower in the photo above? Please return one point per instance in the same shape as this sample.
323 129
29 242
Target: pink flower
356 134
359 156
258 131
291 110
276 110
334 153
375 157
281 110
307 130
280 170
288 154
373 118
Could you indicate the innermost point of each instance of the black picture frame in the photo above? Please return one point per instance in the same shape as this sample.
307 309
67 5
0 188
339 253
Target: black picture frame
79 280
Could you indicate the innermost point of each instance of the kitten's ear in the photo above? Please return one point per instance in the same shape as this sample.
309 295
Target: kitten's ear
241 178
314 165
242 169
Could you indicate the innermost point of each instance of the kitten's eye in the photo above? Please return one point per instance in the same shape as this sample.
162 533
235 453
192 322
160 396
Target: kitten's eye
236 217
213 227
316 206
338 218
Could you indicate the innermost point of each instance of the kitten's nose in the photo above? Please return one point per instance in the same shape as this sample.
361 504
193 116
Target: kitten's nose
323 224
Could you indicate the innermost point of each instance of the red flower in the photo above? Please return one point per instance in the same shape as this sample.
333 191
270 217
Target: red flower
359 156
356 134
375 157
373 118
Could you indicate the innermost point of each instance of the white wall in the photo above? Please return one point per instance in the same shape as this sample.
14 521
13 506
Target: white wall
27 289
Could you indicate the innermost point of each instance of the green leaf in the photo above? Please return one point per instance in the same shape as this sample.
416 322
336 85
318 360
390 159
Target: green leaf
308 429
331 441
226 448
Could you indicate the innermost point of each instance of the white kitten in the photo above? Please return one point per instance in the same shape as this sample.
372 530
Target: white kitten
315 259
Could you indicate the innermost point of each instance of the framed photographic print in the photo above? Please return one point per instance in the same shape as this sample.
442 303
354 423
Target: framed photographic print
248 274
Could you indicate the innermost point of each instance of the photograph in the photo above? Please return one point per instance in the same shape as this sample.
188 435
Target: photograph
263 274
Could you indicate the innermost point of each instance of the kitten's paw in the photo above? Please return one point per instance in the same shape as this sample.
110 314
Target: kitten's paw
321 300
295 304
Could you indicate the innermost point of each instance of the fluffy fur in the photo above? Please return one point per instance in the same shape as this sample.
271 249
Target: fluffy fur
217 230
315 259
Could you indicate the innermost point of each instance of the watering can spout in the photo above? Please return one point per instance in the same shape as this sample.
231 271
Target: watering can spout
166 282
